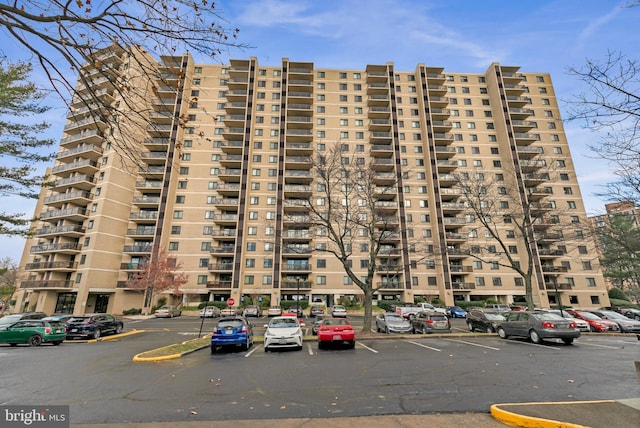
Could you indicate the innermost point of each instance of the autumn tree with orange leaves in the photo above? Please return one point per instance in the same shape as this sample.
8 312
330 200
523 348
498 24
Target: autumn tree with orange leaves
159 273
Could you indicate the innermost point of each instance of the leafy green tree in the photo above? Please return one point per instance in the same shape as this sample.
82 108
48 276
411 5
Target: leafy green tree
8 279
21 143
620 240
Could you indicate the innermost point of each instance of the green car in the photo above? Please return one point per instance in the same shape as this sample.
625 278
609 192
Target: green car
33 333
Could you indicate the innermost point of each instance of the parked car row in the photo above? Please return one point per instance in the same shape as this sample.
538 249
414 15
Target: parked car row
36 328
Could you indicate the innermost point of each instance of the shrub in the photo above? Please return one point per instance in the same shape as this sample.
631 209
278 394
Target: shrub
386 305
132 311
220 305
288 304
616 293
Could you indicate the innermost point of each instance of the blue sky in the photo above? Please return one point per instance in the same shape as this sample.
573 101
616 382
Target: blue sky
459 35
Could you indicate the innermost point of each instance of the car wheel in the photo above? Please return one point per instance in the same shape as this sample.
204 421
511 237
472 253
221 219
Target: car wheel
96 333
56 343
470 326
266 349
593 329
567 341
378 329
352 344
534 336
320 345
413 330
13 344
386 330
35 340
118 329
213 349
490 329
299 348
503 334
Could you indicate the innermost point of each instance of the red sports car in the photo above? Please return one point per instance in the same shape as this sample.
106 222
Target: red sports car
336 330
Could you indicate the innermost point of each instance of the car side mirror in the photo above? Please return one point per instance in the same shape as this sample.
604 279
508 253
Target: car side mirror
301 324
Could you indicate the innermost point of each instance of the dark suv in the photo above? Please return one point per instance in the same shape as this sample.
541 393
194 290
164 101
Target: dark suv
93 326
486 321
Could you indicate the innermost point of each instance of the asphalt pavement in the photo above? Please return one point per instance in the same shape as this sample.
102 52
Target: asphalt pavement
594 414
571 414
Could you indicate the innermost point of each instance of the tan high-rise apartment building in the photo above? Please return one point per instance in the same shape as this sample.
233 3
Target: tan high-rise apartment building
224 172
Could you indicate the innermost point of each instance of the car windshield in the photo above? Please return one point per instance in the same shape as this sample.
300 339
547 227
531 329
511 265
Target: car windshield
335 322
614 315
394 317
283 323
9 319
547 316
590 316
438 317
494 317
230 324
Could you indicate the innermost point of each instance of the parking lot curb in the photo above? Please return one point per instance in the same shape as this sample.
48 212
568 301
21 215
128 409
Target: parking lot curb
115 336
500 414
139 359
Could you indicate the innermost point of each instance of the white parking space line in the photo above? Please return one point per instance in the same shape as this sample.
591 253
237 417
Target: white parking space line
253 349
473 344
599 346
309 348
366 347
424 346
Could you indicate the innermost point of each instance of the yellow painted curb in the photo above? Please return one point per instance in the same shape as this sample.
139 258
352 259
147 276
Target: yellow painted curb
115 336
516 420
138 359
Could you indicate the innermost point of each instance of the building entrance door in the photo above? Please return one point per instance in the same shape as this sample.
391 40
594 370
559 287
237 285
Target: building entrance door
102 303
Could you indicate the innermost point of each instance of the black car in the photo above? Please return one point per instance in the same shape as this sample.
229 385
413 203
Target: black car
486 321
93 326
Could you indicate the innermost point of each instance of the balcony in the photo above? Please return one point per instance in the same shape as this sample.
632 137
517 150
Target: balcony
69 230
79 197
223 249
82 181
88 151
71 214
219 285
144 216
64 247
294 285
221 267
47 283
59 265
86 166
296 267
138 248
463 286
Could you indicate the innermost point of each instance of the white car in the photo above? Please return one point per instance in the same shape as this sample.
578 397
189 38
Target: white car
338 311
283 332
210 312
582 324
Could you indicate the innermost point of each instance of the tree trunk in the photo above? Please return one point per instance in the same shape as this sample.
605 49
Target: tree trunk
368 310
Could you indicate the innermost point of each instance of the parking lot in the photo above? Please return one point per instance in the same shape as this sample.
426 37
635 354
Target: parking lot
397 375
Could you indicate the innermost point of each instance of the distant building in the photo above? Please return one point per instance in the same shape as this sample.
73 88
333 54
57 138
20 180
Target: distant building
228 158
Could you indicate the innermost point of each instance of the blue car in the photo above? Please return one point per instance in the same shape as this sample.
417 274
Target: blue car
456 312
232 331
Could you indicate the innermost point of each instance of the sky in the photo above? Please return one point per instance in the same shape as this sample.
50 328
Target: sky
547 36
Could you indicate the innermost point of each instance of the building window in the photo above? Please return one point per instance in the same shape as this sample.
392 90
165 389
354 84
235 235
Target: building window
173 246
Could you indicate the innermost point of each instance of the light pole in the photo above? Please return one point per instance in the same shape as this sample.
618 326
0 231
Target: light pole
298 296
